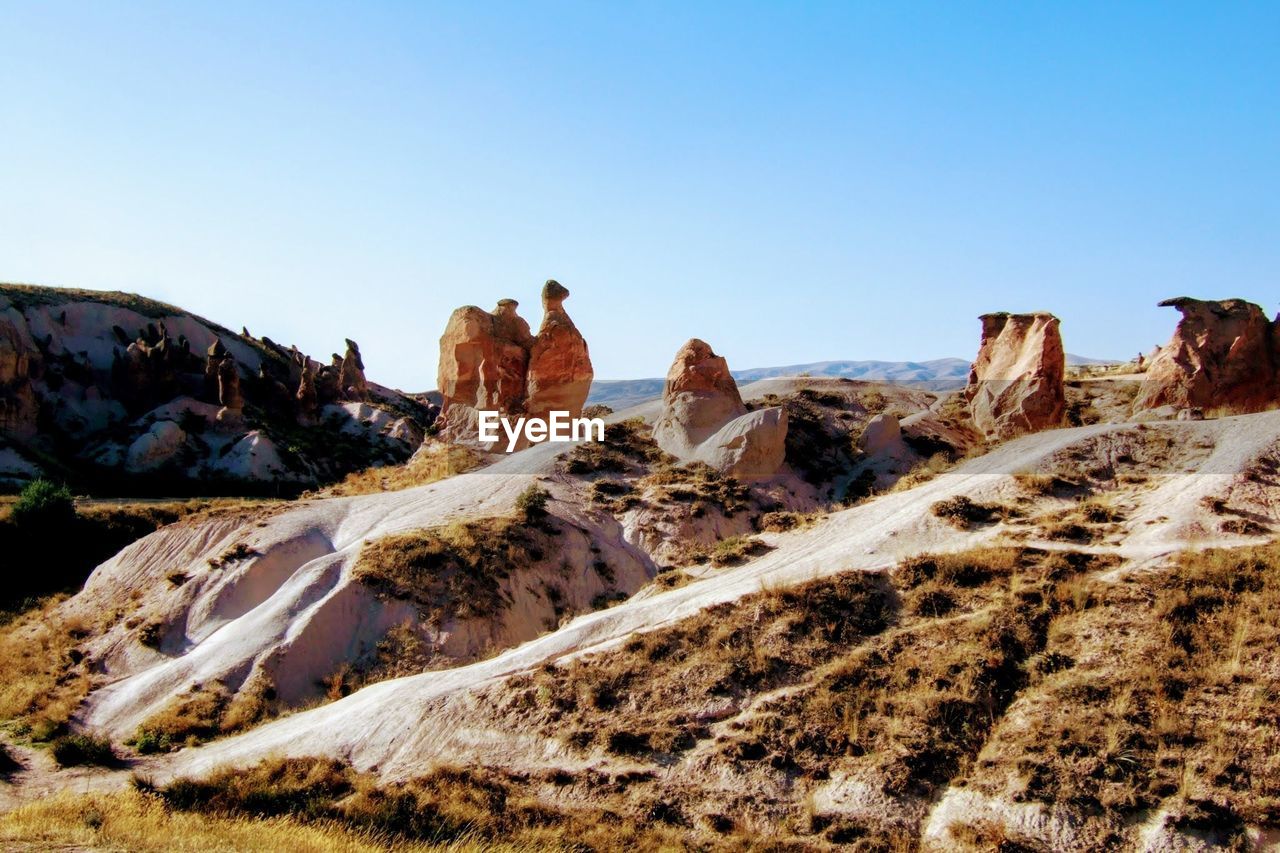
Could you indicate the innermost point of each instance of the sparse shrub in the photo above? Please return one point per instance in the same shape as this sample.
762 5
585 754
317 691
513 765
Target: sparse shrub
628 446
79 749
735 549
1244 527
453 571
1036 483
962 511
532 503
43 505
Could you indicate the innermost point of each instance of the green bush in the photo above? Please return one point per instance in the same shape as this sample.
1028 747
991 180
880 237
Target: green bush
532 502
44 504
74 750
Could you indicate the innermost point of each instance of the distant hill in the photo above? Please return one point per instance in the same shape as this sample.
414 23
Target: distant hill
940 373
882 371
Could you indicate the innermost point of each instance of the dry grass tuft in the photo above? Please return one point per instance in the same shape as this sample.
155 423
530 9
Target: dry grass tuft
628 447
43 677
440 462
142 822
459 808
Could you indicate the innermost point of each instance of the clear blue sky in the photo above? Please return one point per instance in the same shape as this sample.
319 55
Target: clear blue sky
791 182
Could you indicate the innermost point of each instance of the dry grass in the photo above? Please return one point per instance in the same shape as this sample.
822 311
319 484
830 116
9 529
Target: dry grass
628 447
698 486
457 808
452 572
143 823
444 460
1176 705
936 464
897 678
1089 520
783 520
641 699
203 713
43 678
963 512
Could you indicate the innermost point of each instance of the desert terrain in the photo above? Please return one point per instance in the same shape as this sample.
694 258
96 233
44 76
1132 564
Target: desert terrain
1033 608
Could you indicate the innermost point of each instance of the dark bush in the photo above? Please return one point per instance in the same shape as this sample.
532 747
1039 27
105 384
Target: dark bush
75 750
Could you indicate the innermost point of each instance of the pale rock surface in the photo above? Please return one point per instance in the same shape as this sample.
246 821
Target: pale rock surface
253 457
1016 384
155 448
750 447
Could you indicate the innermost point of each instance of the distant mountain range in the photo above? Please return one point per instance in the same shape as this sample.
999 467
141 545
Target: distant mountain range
622 393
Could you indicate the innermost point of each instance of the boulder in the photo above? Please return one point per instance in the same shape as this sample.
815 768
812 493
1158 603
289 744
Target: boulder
750 447
1224 354
882 437
699 397
704 419
155 448
1016 385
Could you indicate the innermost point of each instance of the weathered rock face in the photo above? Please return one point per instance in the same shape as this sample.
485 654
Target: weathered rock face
1224 354
560 371
490 361
1016 384
19 361
703 418
307 399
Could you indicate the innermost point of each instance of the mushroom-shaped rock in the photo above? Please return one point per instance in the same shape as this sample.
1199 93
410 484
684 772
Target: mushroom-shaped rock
560 371
703 418
490 361
1223 355
1016 384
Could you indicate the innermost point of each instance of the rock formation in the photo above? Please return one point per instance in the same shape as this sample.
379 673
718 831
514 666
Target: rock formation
703 418
560 373
212 362
351 379
229 387
1224 354
1016 385
490 361
308 403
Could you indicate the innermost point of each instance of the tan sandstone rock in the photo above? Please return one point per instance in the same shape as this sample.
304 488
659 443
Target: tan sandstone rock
698 399
1016 384
560 371
491 361
703 418
1224 354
